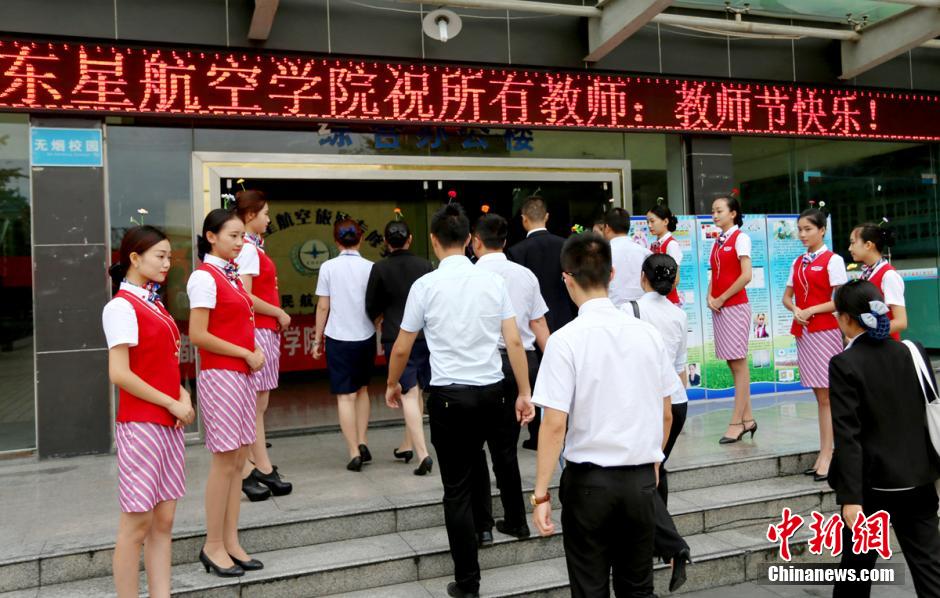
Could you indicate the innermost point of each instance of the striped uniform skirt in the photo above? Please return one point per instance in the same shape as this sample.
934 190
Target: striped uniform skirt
270 343
227 403
732 329
813 352
151 465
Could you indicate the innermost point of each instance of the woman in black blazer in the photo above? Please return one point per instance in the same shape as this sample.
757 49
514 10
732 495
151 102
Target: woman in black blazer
883 459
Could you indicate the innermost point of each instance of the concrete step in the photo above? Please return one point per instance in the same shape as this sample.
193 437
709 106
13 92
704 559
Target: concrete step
417 563
752 489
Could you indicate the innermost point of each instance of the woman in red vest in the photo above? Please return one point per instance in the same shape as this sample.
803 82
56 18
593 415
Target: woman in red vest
221 325
143 362
259 278
730 263
662 224
813 279
868 243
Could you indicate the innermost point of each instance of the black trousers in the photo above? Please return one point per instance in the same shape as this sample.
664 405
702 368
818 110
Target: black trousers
463 418
503 452
914 521
533 425
608 517
667 542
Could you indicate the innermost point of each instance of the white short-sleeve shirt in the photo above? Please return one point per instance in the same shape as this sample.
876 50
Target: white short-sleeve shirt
524 292
673 324
461 309
835 269
892 286
742 245
627 259
120 320
672 250
201 285
609 372
249 263
344 279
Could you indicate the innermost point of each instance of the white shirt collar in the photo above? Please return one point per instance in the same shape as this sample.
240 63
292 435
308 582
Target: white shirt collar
730 231
135 290
596 304
349 252
665 237
496 256
654 296
535 230
852 340
214 260
819 251
453 260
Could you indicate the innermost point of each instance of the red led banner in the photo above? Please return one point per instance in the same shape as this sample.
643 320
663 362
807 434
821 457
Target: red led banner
99 78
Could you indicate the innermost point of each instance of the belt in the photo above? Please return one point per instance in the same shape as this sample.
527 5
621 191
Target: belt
594 466
465 386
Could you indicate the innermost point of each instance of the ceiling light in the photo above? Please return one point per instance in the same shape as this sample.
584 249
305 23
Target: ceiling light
442 24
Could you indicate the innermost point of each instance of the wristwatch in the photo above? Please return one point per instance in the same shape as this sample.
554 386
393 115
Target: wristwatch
537 500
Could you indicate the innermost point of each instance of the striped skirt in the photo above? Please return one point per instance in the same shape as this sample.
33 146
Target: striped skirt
813 352
732 326
151 465
227 404
270 343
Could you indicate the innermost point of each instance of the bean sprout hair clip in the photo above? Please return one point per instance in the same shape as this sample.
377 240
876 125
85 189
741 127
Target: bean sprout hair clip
577 229
485 208
818 205
451 196
228 201
398 214
884 221
242 183
660 201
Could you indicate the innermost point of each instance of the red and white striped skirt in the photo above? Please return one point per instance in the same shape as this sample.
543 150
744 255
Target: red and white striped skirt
732 329
227 403
151 465
270 343
813 352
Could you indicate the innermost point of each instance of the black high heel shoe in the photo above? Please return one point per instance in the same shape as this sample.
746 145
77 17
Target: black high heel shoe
253 490
752 430
744 430
364 453
425 467
355 464
233 571
273 481
678 569
406 455
249 565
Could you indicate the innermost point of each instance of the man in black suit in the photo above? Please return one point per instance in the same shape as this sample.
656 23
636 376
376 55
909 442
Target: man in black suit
884 458
540 252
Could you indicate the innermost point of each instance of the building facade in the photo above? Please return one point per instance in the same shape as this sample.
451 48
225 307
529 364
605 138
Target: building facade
352 108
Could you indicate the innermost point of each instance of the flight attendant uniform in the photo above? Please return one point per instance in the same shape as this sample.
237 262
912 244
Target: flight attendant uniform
150 448
253 261
668 245
813 277
350 334
889 282
225 389
732 323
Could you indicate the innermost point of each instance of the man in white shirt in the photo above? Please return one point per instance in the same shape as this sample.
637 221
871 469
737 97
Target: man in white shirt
604 378
626 257
489 238
463 310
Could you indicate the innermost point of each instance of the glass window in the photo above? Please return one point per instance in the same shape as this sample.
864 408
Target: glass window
17 374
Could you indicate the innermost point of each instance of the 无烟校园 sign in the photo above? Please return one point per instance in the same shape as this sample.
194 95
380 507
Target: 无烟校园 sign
108 79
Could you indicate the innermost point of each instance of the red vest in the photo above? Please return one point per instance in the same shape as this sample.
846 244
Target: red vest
673 294
232 320
726 268
155 359
876 280
264 287
811 287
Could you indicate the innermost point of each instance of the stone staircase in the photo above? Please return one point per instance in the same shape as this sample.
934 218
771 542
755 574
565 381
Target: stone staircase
399 547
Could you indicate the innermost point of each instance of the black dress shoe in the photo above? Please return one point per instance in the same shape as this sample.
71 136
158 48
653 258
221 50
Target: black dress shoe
406 455
267 445
519 531
273 481
454 590
249 565
425 467
678 569
355 464
255 491
233 571
532 444
484 537
810 471
364 453
820 477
